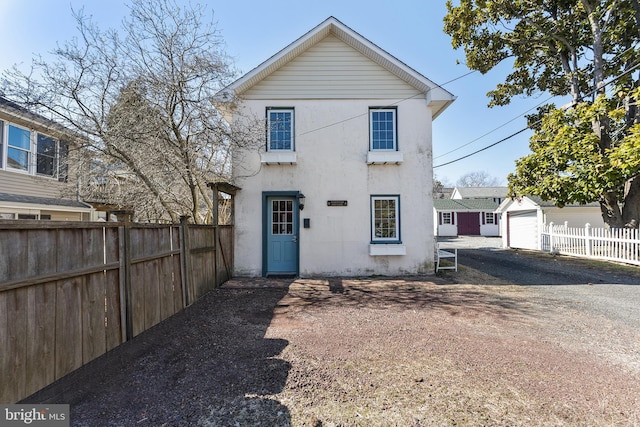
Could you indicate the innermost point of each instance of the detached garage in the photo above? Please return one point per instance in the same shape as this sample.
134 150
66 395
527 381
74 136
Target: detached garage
523 218
522 229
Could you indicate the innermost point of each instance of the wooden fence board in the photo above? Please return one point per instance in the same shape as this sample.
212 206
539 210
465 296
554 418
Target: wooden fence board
63 298
112 307
14 261
137 298
15 376
94 341
68 353
6 391
151 285
41 317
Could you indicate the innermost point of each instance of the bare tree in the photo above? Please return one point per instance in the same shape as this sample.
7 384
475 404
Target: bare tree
146 100
477 179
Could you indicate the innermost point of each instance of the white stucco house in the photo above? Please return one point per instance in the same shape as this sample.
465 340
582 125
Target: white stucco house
522 219
342 185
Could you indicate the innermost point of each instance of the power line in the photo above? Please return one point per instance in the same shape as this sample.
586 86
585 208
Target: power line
613 80
482 149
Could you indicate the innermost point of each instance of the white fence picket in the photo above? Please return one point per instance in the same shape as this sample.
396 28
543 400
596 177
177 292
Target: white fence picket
616 244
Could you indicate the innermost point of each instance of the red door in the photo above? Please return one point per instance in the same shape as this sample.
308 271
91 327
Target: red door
469 223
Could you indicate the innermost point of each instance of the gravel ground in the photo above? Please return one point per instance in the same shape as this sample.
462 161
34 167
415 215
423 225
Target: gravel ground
465 348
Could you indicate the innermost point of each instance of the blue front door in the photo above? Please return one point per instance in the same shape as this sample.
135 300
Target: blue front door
282 235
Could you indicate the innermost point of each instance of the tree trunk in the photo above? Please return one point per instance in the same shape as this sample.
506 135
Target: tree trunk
631 209
610 209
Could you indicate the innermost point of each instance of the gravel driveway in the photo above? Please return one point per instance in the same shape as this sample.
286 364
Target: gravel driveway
466 348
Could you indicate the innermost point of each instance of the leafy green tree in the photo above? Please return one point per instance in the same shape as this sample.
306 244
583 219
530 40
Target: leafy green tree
584 49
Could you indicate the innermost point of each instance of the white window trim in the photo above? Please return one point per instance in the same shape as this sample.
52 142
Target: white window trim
395 129
32 162
444 222
5 154
383 240
293 138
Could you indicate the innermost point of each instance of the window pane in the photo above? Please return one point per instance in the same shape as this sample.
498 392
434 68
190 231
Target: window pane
280 130
384 212
17 159
45 162
282 217
19 138
383 132
19 143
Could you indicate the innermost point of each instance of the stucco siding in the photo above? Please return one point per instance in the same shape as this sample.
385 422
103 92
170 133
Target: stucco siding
331 165
331 69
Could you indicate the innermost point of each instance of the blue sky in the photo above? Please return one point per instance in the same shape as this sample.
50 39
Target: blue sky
410 30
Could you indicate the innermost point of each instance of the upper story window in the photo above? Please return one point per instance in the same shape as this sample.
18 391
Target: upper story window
383 134
32 152
280 129
18 148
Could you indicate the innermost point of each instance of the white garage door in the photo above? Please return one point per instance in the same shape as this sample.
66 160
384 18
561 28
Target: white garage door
523 230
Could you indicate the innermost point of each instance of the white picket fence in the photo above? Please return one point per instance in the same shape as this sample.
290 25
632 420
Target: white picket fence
615 244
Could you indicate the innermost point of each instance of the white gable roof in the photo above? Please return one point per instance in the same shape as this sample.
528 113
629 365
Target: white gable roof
438 98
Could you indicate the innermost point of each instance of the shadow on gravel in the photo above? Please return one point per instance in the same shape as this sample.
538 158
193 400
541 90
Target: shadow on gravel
208 365
402 294
521 267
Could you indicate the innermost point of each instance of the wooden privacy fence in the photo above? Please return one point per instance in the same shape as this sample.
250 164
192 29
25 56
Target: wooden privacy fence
615 244
69 292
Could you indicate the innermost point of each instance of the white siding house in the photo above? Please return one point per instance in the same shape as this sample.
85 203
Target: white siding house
523 218
347 126
472 217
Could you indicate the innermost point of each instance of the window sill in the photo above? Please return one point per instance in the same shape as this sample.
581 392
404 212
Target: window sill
387 249
278 157
384 157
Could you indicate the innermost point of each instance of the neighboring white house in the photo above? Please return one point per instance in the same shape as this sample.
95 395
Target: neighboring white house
34 155
343 184
497 194
523 218
472 217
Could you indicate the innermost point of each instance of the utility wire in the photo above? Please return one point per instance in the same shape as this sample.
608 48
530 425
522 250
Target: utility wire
613 80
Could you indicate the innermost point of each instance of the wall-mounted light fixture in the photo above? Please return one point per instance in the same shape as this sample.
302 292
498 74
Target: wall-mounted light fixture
301 200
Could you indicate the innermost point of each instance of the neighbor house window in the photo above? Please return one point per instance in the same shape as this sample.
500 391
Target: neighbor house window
385 219
18 148
446 218
280 129
383 129
32 152
489 218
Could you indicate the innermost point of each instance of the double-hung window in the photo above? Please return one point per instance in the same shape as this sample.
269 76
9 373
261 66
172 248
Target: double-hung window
32 152
383 133
280 129
385 219
18 148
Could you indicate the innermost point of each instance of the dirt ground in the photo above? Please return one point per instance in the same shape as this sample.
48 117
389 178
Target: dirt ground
431 351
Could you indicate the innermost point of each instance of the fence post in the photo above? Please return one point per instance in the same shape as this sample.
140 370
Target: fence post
551 247
185 266
587 239
126 315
